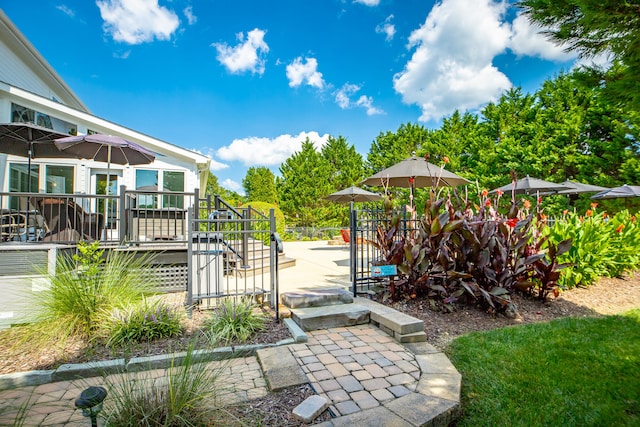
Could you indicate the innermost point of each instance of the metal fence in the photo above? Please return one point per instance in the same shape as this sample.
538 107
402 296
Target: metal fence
364 254
232 253
133 217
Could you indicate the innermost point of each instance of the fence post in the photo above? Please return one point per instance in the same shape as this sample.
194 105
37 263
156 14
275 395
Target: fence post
246 227
190 228
196 204
122 214
353 219
274 259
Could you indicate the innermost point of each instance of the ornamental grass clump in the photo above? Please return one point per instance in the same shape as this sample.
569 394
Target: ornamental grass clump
145 321
186 395
84 290
234 321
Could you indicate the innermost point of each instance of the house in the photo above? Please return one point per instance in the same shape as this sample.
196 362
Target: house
31 91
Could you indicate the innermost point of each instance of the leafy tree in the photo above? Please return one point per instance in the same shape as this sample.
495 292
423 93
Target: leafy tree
597 27
390 148
214 188
345 162
259 185
303 184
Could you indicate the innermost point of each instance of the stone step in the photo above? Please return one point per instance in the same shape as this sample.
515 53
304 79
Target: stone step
389 319
316 298
331 316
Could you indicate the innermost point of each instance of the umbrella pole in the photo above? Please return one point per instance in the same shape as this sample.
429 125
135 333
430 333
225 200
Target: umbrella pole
106 192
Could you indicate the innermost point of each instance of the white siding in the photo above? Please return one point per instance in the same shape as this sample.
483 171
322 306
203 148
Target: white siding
16 73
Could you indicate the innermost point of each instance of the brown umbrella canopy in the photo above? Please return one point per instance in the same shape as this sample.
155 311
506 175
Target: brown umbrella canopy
618 192
30 141
353 194
415 172
528 185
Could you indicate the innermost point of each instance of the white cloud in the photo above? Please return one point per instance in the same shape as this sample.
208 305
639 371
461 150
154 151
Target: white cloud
191 18
232 185
451 67
255 151
66 10
368 2
387 28
343 99
528 39
248 55
216 165
367 103
299 73
137 21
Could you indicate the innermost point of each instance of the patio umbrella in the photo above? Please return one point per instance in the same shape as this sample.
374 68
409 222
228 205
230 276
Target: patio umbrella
415 172
105 148
528 185
30 141
578 187
622 191
353 194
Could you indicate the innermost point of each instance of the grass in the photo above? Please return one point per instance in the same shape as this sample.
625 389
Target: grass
568 372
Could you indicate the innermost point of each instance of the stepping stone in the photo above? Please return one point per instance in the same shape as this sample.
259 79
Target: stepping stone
312 406
332 316
316 298
280 368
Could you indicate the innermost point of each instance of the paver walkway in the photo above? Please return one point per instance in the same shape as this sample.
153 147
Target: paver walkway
53 404
357 368
365 374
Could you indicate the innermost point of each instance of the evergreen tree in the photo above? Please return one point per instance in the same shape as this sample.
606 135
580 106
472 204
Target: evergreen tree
259 185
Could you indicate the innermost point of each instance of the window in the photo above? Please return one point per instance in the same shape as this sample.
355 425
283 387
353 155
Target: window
19 182
20 114
59 179
147 180
173 181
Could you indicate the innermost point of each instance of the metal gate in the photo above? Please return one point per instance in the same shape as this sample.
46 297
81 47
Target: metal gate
232 253
364 224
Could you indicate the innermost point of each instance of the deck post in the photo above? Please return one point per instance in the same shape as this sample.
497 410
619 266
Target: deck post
190 228
122 213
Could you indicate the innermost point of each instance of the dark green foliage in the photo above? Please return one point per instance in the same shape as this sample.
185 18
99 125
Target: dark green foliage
594 28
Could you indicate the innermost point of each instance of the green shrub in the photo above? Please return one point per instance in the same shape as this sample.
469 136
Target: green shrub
144 321
184 396
593 250
264 209
84 288
234 321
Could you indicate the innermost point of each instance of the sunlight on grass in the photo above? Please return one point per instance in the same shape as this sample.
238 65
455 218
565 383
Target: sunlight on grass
569 372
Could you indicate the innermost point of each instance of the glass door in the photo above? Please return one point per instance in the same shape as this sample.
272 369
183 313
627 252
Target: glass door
107 206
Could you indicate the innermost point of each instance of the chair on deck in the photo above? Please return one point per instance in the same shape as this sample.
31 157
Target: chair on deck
67 222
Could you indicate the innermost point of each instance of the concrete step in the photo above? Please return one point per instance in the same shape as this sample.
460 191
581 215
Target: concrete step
316 298
331 316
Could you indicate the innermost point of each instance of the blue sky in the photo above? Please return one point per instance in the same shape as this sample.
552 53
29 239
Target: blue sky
246 81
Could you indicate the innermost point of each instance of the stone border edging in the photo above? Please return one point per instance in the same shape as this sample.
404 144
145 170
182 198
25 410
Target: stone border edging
75 371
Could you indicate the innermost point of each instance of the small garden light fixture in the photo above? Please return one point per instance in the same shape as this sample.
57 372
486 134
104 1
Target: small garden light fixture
90 401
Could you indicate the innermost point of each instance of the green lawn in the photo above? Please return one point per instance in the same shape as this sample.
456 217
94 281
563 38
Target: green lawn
569 372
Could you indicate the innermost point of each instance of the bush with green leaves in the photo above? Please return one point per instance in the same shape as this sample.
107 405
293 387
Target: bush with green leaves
185 396
145 321
601 246
84 289
234 321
